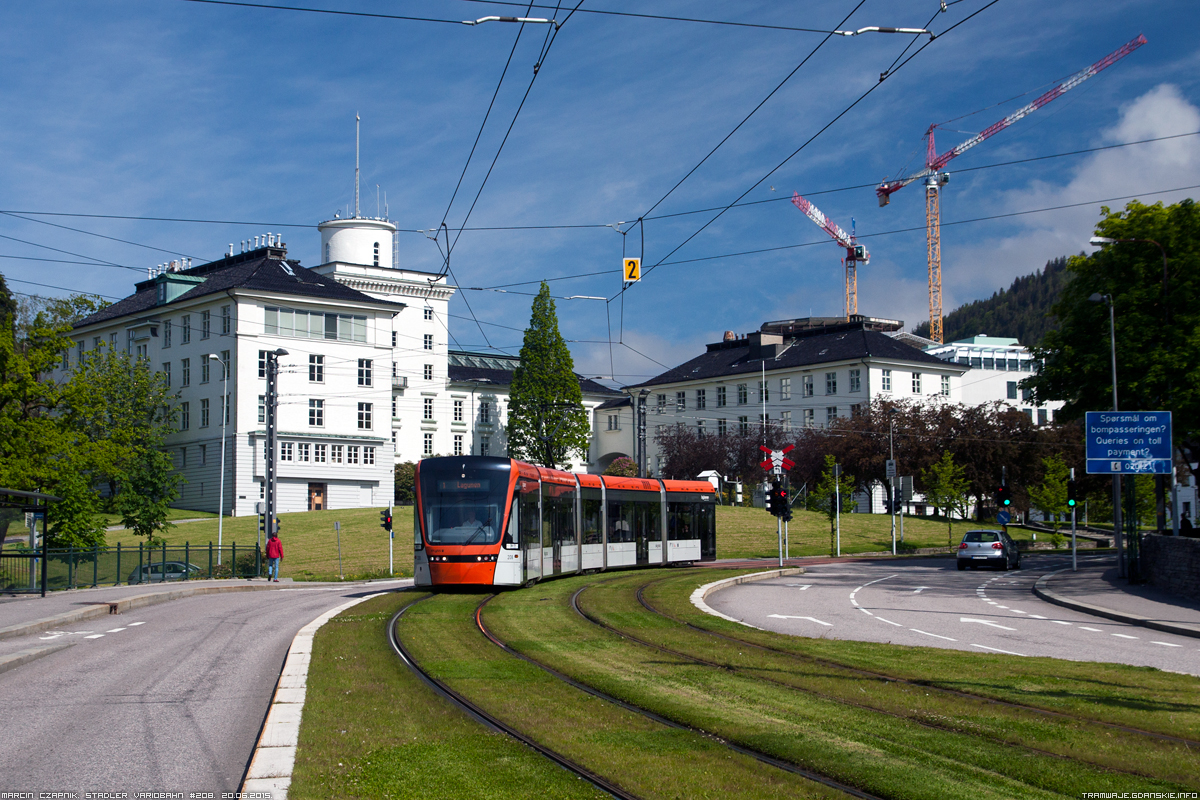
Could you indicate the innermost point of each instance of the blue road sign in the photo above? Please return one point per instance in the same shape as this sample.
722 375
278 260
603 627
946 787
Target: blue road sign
1128 442
1003 517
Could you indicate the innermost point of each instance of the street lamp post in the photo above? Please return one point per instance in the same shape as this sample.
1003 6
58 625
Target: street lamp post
1112 335
224 421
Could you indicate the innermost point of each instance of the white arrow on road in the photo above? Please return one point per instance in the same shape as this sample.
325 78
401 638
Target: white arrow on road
810 619
800 586
986 622
918 589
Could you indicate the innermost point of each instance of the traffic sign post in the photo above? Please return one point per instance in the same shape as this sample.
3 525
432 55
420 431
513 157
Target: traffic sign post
1128 442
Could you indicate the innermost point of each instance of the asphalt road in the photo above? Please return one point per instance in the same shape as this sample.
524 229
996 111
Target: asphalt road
167 698
928 602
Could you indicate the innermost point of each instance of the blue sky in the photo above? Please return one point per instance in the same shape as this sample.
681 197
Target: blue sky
184 110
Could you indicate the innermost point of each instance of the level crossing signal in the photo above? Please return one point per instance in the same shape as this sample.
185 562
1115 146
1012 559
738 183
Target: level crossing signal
1072 494
385 519
777 500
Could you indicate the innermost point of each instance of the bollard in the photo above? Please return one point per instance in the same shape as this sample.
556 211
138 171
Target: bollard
95 566
118 582
210 560
187 560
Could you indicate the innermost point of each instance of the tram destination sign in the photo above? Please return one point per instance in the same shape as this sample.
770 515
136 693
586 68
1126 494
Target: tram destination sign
1128 442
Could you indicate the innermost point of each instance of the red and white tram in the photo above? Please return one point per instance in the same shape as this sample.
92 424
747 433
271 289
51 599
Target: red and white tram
496 521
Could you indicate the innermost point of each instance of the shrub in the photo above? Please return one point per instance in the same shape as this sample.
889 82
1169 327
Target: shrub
622 467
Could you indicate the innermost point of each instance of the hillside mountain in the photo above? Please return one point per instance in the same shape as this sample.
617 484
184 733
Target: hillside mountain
1020 311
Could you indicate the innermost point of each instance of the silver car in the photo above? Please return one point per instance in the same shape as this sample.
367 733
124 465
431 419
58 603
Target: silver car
170 571
990 548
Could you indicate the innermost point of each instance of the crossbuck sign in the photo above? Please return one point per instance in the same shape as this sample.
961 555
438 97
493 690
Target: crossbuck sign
777 461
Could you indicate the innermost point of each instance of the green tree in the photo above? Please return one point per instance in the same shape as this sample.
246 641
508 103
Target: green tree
945 486
1051 494
406 483
622 467
547 422
1158 364
827 492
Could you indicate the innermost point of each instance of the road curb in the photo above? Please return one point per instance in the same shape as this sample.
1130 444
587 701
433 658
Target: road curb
1042 590
124 604
270 770
32 654
704 591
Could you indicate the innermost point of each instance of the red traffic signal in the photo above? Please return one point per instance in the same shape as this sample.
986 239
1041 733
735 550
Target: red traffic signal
385 519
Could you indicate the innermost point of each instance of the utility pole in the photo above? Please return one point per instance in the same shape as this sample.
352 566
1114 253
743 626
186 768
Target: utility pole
891 468
1074 560
271 471
837 494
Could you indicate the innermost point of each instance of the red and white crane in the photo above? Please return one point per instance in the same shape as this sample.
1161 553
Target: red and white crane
855 253
935 178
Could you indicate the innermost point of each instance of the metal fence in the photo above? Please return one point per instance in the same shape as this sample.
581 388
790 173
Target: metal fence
77 568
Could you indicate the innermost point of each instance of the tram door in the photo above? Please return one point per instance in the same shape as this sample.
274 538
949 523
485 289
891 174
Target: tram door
529 521
648 527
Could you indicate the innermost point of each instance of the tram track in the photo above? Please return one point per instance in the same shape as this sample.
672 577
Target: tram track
490 721
881 676
758 756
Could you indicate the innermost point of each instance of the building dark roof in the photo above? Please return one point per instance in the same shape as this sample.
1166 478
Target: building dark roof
745 356
616 402
503 377
266 269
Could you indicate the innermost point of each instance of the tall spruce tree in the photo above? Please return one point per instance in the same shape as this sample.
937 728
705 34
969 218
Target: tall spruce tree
547 422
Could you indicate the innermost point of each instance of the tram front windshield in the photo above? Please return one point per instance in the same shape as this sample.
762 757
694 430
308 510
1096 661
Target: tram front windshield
463 500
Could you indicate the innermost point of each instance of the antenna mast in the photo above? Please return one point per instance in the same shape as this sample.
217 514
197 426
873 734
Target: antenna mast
357 127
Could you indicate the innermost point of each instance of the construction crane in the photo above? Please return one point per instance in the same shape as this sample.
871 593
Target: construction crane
935 178
855 253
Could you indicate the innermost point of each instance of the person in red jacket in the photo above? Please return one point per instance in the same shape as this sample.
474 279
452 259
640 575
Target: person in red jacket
274 556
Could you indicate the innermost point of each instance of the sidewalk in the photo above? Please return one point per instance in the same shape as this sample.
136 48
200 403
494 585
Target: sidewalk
1097 590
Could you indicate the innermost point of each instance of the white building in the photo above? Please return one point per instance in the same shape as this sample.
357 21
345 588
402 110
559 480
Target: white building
997 366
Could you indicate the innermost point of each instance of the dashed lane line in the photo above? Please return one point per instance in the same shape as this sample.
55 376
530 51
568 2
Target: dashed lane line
95 636
889 622
934 635
998 650
1123 635
1167 644
1093 630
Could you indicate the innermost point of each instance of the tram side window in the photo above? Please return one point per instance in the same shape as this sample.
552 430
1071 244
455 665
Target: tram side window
511 531
564 519
622 521
591 518
530 524
680 524
418 542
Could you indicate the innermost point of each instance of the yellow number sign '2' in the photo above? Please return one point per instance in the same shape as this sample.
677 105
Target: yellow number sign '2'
633 270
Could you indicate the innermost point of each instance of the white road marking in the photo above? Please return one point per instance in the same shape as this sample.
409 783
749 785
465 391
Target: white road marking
95 636
1004 607
1036 616
998 650
986 622
868 613
811 619
919 589
889 622
1093 630
800 586
115 630
1122 635
1167 644
131 624
936 636
1060 622
1017 611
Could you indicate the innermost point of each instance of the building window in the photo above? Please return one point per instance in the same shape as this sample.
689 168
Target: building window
364 372
786 417
807 383
262 408
112 341
830 383
79 350
351 454
764 392
1012 390
1043 417
316 413
809 417
225 408
204 413
785 388
167 373
485 444
428 448
700 428
741 394
203 454
335 454
830 414
393 338
722 428
185 328
393 408
316 369
364 416
945 385
318 454
614 422
185 416
226 321
485 411
376 261
66 359
701 400
205 368
128 343
1026 395
428 372
428 408
429 341
458 415
166 333
262 363
185 372
660 401
458 444
681 401
286 451
885 380
302 451
428 313
856 380
743 426
205 324
720 397
916 383
369 456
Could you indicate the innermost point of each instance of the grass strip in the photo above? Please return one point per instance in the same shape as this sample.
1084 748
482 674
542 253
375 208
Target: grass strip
877 752
645 757
1118 694
371 729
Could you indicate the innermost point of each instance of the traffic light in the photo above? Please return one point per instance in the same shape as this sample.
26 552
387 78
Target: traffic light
887 502
771 499
277 526
385 519
1072 494
787 514
777 500
262 525
1003 497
